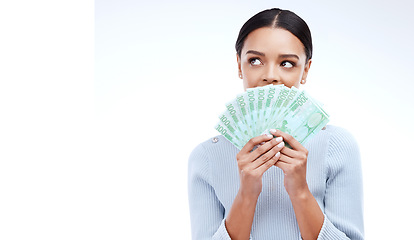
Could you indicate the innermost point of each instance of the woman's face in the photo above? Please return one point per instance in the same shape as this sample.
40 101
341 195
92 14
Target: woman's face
272 56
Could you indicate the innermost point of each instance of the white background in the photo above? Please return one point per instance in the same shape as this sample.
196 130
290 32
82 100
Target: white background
102 103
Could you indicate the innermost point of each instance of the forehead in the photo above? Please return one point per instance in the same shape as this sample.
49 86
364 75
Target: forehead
273 41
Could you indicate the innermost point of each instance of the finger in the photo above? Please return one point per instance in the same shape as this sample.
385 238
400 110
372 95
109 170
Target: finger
266 165
263 149
273 152
282 165
288 139
255 141
291 153
286 159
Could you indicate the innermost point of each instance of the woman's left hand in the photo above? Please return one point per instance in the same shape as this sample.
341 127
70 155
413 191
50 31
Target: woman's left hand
293 163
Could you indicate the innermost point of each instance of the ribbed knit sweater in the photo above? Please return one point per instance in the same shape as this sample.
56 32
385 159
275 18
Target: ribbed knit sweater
333 175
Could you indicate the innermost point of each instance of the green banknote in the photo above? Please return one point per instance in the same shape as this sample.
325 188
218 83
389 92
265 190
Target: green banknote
228 135
302 118
252 99
234 112
259 109
243 104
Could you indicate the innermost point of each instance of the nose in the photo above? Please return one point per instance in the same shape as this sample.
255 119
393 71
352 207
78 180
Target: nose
271 75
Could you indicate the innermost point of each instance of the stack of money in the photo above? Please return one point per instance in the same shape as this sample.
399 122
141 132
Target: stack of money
260 109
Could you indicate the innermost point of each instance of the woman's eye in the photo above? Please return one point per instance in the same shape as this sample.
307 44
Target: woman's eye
255 61
287 64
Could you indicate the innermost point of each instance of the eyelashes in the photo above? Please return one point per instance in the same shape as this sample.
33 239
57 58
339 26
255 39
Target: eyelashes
288 64
256 62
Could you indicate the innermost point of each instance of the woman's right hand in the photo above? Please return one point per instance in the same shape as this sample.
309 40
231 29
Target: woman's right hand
252 163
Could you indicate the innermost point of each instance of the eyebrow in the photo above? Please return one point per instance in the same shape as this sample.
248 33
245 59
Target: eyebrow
255 52
289 56
281 56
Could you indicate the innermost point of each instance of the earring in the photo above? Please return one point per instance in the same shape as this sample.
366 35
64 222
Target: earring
302 81
240 76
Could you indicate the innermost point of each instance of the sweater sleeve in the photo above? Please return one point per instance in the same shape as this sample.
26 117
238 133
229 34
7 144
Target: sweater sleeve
344 196
206 211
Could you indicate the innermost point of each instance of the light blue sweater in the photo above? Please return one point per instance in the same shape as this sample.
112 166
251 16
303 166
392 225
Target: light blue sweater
333 174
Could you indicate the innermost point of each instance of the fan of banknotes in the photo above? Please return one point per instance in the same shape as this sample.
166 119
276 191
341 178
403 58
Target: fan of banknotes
260 109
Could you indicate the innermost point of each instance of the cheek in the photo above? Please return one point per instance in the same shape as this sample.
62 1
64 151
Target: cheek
294 78
247 83
250 78
297 85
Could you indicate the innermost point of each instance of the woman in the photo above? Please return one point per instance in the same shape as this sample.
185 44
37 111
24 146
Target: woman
267 190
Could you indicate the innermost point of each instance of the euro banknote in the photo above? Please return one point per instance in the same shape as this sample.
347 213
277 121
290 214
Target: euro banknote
260 109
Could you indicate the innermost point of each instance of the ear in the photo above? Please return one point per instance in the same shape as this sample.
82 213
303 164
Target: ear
305 72
239 65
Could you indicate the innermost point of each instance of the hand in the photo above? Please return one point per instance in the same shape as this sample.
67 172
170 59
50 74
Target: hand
252 163
293 163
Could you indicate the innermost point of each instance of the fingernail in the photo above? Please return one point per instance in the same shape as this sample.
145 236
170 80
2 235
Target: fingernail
277 154
279 139
273 130
281 144
269 135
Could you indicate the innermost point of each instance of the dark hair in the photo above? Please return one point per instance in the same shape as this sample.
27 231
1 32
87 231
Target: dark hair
277 18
